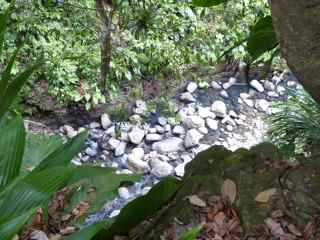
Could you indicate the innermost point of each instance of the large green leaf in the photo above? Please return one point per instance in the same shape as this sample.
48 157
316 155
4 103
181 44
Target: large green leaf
207 3
6 75
105 183
64 154
262 37
14 88
38 147
191 234
87 233
32 191
142 208
12 142
9 228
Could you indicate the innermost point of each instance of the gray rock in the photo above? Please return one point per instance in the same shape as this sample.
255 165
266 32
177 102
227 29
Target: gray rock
120 150
160 129
178 130
273 94
141 107
194 121
113 143
192 138
135 162
215 85
124 193
94 125
167 128
105 121
205 112
269 86
224 94
153 137
173 144
192 87
257 85
230 83
219 108
160 168
69 131
212 124
262 105
162 121
91 152
136 135
249 102
187 97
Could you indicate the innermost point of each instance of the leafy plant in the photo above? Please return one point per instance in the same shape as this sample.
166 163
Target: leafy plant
294 127
191 234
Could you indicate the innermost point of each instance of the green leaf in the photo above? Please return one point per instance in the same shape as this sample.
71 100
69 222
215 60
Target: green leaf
12 142
33 191
207 3
87 233
9 228
191 234
38 147
3 26
14 88
142 208
262 37
6 75
64 154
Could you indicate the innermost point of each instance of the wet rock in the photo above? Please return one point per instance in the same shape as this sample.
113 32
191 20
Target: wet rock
160 168
192 138
219 108
105 121
187 97
153 137
136 135
192 87
173 144
212 124
257 85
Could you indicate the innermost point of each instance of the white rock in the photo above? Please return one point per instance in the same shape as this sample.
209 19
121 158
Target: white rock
194 121
124 193
192 87
281 90
136 135
141 107
249 102
291 84
152 130
178 130
173 144
192 138
113 143
145 190
91 152
94 125
244 95
212 124
201 148
215 85
257 85
273 94
111 131
269 86
229 128
167 128
219 108
69 131
230 83
203 130
38 235
276 79
233 114
262 105
153 137
162 121
160 129
160 168
124 136
114 213
120 150
135 162
105 121
228 120
187 97
224 94
205 112
179 170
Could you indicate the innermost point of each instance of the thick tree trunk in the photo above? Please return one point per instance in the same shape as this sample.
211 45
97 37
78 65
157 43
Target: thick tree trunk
105 11
297 23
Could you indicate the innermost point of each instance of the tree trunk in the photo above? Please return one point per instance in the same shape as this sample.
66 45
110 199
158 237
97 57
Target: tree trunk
105 11
297 24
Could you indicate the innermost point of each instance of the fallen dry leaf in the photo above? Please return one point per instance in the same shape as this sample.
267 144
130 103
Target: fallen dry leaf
274 227
196 201
264 197
229 191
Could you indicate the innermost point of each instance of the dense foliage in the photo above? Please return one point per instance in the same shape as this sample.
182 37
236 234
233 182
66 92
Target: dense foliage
151 40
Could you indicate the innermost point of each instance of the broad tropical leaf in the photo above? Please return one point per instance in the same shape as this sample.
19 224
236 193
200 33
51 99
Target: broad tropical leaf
64 154
87 233
262 37
12 142
142 208
207 3
9 228
38 147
